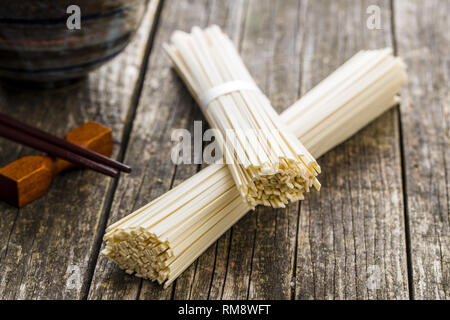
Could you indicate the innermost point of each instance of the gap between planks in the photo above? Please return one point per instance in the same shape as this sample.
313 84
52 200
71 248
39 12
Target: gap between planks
409 269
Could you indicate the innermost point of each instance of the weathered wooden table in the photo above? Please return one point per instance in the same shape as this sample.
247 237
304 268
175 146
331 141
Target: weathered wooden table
378 230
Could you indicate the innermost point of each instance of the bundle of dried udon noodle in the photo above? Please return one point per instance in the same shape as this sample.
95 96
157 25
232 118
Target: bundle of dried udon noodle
162 239
269 165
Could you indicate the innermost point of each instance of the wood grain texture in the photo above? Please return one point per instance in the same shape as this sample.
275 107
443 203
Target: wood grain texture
423 40
42 255
351 238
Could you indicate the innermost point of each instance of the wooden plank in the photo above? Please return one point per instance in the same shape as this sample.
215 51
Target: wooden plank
423 40
351 239
261 258
164 105
41 254
232 270
196 281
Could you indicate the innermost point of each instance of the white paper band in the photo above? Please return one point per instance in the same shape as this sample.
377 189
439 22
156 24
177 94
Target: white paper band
226 88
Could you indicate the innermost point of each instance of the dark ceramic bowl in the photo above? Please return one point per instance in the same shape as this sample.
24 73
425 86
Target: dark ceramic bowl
36 46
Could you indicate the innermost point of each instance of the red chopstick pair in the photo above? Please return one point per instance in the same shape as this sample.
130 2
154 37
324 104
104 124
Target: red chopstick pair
20 132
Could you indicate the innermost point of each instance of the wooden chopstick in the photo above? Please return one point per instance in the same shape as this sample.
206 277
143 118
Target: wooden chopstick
56 151
42 135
